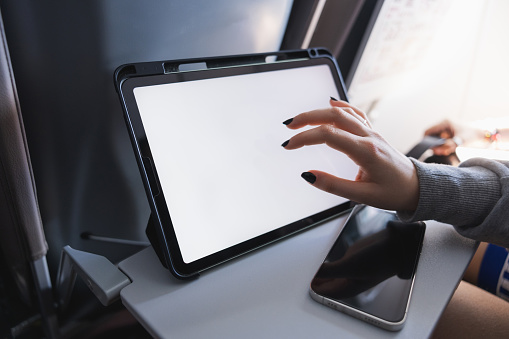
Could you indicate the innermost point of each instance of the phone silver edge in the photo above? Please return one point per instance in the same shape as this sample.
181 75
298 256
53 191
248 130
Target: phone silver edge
385 324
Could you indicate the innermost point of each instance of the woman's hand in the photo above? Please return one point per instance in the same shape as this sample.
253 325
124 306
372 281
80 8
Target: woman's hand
386 178
444 130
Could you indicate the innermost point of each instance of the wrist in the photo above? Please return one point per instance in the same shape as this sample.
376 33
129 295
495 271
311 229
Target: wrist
411 200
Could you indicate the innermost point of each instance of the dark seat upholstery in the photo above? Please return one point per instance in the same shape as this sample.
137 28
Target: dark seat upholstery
22 242
27 304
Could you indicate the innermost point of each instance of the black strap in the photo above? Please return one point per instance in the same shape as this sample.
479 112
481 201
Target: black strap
426 143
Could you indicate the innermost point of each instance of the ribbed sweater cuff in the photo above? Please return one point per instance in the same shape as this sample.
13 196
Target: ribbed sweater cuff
457 196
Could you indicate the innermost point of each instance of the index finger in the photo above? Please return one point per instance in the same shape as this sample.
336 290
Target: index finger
349 107
335 116
346 104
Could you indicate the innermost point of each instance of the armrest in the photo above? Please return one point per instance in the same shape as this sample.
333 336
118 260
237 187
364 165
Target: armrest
103 278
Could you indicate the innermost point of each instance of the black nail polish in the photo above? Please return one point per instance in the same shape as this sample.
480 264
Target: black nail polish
333 99
288 122
309 177
285 143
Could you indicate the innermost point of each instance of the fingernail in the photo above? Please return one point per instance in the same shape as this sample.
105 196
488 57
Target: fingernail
288 122
333 99
285 143
309 177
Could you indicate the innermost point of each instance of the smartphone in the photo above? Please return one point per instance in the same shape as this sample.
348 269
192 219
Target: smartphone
369 272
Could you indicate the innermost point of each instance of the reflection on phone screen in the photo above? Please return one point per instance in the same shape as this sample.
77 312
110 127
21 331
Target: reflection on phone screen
372 264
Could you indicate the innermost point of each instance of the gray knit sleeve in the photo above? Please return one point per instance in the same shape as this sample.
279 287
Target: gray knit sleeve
474 198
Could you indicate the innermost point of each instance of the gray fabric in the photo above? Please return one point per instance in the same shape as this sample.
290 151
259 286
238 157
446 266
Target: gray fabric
22 237
473 197
20 222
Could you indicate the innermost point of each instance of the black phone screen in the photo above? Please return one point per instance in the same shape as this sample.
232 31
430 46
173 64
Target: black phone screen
371 266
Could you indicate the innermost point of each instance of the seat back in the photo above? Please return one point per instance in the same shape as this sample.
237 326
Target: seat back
23 245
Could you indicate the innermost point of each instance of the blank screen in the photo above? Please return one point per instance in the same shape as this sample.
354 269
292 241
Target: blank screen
216 147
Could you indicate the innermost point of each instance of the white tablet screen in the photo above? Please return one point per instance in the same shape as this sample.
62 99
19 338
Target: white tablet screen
216 146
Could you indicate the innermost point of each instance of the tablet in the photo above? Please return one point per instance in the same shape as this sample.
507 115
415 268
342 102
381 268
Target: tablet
207 136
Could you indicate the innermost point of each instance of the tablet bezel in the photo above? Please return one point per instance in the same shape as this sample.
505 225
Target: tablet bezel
128 77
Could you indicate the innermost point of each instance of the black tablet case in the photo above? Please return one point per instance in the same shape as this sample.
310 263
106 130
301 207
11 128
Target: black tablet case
143 69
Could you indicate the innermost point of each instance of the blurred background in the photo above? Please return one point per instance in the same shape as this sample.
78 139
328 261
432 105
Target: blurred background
452 66
408 63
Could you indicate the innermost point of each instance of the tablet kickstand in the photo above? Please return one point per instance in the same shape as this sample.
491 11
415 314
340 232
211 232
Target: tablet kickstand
150 231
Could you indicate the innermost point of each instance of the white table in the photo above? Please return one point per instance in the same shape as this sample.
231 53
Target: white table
264 294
